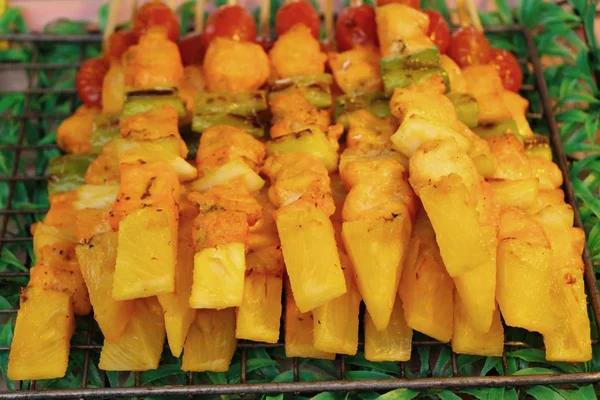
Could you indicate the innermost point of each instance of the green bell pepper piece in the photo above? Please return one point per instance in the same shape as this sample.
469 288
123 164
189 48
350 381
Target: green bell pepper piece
538 146
241 104
66 173
104 129
467 108
252 125
374 102
316 88
499 128
140 104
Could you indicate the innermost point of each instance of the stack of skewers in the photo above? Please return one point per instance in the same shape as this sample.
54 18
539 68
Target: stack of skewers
440 209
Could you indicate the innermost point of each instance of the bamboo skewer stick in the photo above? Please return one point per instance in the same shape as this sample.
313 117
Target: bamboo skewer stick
475 21
329 23
231 2
134 8
111 21
265 14
171 4
199 18
463 13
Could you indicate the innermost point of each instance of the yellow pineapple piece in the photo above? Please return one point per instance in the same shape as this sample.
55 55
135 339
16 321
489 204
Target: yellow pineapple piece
146 254
235 170
311 257
40 346
455 221
131 152
467 340
299 339
570 340
521 193
335 325
377 248
211 341
141 345
394 343
176 308
69 281
260 312
264 232
477 287
524 273
425 288
219 276
97 261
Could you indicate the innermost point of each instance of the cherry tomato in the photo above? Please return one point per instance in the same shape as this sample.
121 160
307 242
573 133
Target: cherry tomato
232 22
156 13
120 41
438 32
89 81
356 25
192 49
412 3
297 12
469 46
508 68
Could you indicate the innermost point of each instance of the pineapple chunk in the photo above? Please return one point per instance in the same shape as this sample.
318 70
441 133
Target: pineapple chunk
63 280
91 222
299 338
311 257
97 260
219 276
377 248
146 254
477 287
455 221
40 346
176 308
335 325
425 288
211 341
96 196
235 170
394 343
260 312
140 347
47 236
570 340
148 152
524 273
264 232
467 340
520 193
311 141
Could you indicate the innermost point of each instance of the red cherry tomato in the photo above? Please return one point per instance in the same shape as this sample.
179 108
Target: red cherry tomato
438 32
297 12
508 68
156 13
192 49
469 46
412 3
233 22
120 41
356 25
89 81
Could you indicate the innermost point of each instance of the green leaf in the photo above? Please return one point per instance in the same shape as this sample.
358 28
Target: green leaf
447 395
328 396
544 393
535 371
504 11
365 375
399 394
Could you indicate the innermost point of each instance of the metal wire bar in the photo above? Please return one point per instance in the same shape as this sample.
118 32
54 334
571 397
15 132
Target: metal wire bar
244 388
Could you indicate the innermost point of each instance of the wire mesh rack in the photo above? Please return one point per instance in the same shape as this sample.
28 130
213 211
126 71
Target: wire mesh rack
27 173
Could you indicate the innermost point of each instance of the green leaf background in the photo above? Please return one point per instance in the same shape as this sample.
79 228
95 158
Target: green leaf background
577 107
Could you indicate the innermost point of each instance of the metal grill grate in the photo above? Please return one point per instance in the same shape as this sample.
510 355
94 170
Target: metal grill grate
27 173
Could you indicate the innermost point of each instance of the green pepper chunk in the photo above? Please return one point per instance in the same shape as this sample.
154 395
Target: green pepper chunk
411 69
252 125
66 173
142 103
241 104
466 107
498 128
316 88
375 102
104 129
538 146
